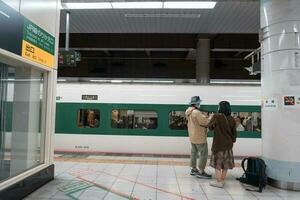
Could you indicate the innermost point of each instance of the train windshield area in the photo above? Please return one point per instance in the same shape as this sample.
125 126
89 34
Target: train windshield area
134 119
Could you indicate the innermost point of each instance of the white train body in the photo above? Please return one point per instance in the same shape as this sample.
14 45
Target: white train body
151 94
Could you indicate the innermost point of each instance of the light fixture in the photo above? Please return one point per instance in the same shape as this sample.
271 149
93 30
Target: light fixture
234 82
162 15
4 14
142 5
137 5
152 81
116 81
91 5
189 4
100 81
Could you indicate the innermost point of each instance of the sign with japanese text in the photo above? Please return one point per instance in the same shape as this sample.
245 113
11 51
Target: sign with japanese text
37 44
22 37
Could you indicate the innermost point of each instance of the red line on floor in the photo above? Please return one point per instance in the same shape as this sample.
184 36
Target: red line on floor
123 178
149 186
108 189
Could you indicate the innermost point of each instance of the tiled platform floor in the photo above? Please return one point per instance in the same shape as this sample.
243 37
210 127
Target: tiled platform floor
142 178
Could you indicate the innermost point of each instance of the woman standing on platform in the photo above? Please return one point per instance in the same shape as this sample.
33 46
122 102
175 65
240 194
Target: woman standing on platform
224 127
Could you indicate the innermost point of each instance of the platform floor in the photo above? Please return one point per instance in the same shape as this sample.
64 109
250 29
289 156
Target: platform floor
97 177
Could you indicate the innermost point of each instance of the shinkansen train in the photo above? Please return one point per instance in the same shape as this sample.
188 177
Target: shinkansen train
148 119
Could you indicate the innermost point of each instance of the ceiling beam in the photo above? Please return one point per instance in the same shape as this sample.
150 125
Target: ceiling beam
159 49
231 50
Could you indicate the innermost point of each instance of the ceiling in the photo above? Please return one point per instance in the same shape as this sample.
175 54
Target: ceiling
229 16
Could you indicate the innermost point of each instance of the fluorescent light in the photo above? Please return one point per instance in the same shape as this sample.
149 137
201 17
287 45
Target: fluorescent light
116 81
189 4
91 5
163 15
3 13
137 5
101 81
151 81
236 82
142 5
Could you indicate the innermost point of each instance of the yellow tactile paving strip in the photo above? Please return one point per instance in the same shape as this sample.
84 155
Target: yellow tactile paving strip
124 161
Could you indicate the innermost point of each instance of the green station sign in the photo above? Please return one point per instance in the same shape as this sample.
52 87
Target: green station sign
23 37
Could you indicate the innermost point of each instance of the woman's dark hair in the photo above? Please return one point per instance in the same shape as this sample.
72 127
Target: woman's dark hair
224 107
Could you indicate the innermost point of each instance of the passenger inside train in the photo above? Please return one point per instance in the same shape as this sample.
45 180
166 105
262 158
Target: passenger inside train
88 118
239 126
133 119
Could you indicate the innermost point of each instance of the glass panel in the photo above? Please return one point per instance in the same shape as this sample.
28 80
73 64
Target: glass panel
248 121
22 119
88 118
177 120
133 119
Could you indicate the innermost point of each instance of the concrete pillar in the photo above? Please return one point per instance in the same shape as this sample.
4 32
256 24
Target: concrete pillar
280 23
203 61
26 124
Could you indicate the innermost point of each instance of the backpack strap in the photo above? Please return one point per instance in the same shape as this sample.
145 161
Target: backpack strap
243 178
254 190
243 164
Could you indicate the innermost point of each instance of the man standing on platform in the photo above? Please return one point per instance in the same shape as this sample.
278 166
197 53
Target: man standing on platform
197 128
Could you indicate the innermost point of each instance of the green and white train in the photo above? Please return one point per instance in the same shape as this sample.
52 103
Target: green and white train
147 118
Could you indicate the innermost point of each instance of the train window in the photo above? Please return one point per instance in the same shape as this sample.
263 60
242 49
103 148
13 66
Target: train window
248 121
133 119
88 118
177 120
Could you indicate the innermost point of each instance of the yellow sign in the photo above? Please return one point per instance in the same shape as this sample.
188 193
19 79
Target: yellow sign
36 54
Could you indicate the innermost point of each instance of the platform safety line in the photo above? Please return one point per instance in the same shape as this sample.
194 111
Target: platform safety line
123 178
83 172
149 186
108 189
71 196
75 187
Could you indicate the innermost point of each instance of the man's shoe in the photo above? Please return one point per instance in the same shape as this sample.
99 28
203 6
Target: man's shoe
194 172
217 184
203 175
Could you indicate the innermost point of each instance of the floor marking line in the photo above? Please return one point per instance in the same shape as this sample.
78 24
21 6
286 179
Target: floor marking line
123 161
149 186
109 189
73 189
71 196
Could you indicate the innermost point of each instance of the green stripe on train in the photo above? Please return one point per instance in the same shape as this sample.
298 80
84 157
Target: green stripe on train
66 119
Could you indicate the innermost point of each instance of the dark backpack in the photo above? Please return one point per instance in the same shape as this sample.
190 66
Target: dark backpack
255 173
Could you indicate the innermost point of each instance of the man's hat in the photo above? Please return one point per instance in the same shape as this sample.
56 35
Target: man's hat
195 100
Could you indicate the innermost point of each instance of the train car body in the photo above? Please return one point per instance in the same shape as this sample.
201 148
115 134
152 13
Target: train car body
146 118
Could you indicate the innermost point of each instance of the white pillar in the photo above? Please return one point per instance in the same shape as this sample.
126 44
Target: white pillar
203 61
280 23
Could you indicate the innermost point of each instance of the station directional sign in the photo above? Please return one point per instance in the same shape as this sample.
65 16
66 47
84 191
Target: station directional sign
23 37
